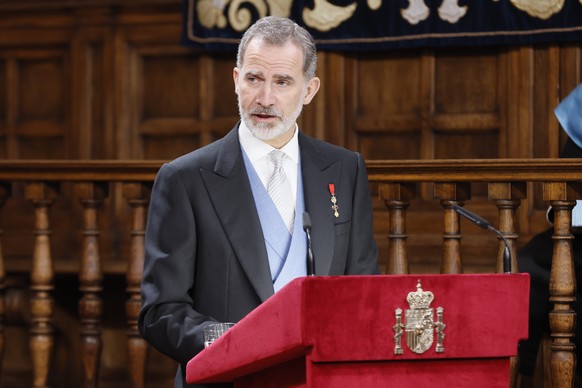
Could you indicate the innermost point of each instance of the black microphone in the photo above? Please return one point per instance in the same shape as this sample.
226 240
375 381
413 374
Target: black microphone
307 229
482 223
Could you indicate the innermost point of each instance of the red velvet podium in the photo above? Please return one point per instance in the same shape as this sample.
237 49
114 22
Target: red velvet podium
342 332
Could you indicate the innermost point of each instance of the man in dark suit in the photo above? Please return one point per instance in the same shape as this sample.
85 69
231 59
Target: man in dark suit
535 257
217 245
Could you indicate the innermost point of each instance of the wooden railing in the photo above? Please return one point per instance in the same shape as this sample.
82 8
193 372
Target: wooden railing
397 183
506 181
92 181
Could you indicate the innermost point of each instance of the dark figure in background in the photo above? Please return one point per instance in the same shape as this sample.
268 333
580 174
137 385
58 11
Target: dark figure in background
535 257
217 245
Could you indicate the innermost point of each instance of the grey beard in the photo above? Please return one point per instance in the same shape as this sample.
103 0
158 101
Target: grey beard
265 131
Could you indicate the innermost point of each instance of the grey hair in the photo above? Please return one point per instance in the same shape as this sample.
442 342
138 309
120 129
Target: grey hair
276 31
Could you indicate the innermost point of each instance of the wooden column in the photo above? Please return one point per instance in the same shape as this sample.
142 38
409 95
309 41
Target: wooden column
397 197
562 197
507 197
41 340
90 281
137 195
5 192
451 193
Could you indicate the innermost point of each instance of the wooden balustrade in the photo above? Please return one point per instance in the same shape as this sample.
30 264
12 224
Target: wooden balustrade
398 184
41 278
5 191
506 181
92 182
90 279
137 196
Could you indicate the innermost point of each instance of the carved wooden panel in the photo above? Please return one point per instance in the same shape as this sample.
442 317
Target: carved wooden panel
3 108
386 107
35 103
41 120
179 100
426 104
466 120
168 106
484 102
92 90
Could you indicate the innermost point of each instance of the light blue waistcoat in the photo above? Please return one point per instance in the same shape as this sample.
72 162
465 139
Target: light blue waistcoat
287 253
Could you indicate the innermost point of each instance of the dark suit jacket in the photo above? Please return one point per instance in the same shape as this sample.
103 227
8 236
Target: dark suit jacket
205 256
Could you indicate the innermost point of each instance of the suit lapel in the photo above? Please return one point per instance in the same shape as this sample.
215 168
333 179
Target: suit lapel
230 192
317 174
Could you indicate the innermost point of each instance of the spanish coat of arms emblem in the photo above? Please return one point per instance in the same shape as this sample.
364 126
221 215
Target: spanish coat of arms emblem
420 325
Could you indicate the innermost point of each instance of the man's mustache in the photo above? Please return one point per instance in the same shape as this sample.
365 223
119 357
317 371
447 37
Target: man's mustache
265 112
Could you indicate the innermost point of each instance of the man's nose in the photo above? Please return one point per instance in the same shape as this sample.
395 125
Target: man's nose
266 96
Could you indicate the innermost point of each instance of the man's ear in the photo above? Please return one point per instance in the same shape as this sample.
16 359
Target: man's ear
311 90
235 74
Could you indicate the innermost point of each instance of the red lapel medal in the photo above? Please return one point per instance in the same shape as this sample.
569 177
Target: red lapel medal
333 199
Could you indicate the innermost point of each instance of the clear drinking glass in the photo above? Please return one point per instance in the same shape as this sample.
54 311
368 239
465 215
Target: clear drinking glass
215 330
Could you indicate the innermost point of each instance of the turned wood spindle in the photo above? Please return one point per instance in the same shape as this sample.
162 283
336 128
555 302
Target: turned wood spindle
507 197
562 198
449 194
90 281
5 192
137 196
397 197
562 286
41 303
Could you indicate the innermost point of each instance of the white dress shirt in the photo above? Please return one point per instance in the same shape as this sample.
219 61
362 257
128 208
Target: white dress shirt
258 153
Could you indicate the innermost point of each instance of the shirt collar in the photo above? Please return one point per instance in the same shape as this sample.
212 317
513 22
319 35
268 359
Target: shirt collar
256 149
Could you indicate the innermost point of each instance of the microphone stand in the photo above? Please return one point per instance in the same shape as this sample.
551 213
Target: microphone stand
310 259
482 223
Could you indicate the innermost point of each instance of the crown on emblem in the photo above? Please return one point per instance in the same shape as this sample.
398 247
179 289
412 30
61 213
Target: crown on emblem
419 299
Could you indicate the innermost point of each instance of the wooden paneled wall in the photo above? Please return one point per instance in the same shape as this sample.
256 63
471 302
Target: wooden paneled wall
108 79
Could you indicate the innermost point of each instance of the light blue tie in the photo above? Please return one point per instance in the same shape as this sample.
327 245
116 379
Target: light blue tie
280 190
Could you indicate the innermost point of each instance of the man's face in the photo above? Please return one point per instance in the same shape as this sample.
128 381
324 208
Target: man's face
272 90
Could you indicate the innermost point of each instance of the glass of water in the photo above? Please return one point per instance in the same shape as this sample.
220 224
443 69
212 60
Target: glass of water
215 330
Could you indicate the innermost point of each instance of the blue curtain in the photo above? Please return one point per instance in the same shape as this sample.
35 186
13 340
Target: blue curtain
387 24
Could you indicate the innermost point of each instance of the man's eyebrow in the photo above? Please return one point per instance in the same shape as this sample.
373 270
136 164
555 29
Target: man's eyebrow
287 77
280 77
254 73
